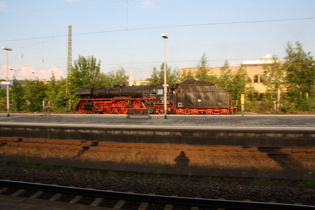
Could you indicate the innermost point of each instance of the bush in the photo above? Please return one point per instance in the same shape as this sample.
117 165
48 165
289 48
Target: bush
251 105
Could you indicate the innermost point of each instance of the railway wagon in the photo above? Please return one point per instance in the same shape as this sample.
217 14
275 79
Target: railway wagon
188 97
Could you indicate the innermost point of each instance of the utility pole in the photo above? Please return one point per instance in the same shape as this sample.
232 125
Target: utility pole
7 85
69 62
165 37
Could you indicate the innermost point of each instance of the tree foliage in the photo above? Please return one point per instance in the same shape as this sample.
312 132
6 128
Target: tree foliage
274 81
186 76
157 77
118 77
35 93
239 82
57 95
84 72
17 93
2 98
226 77
203 72
300 68
233 82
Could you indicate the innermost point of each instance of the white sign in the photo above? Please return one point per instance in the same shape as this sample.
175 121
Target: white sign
6 82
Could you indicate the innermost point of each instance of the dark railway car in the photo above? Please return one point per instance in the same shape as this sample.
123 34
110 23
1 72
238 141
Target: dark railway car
189 97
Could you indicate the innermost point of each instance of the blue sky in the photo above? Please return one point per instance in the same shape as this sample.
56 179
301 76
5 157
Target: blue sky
126 34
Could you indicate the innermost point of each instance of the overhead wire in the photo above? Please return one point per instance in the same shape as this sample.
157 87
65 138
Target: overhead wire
144 28
160 27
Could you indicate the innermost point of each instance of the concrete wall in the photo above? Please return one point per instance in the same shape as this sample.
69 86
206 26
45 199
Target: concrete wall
253 137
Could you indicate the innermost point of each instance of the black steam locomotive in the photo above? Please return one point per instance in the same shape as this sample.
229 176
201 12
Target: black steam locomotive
188 97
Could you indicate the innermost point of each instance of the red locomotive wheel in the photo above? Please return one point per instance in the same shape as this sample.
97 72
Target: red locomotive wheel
194 111
121 107
180 111
209 111
107 109
225 111
138 105
216 111
159 110
97 109
187 111
82 111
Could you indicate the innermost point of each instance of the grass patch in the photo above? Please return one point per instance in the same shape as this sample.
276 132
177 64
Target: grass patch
46 166
211 180
112 173
3 163
261 181
66 169
25 164
308 180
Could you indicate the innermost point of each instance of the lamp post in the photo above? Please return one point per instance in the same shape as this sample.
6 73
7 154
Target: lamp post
7 86
164 36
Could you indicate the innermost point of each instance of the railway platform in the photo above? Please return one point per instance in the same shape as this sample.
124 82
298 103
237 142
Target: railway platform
248 130
306 122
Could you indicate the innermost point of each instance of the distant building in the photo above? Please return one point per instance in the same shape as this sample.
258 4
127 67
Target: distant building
139 82
254 68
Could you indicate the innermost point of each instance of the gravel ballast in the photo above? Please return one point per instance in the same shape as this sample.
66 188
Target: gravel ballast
187 186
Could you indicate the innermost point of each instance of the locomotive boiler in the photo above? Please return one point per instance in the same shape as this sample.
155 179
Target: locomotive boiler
188 97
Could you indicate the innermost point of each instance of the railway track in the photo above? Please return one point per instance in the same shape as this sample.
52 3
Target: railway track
124 200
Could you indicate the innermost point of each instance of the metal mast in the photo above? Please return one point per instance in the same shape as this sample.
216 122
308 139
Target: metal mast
69 61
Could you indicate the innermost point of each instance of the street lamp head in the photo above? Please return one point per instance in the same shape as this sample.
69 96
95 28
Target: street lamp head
164 36
6 48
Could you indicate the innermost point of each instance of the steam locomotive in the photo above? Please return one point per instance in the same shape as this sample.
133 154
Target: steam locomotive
188 97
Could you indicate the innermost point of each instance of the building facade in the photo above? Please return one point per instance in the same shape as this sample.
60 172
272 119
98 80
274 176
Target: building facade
139 82
254 69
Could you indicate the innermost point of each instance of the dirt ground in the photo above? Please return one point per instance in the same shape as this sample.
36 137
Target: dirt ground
174 159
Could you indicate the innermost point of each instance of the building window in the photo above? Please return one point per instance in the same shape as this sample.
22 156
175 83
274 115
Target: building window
256 80
261 78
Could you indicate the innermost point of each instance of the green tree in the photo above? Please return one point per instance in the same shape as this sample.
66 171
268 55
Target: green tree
300 68
157 77
203 72
118 77
226 77
103 80
2 98
274 81
239 84
35 93
62 100
84 72
16 96
186 76
54 89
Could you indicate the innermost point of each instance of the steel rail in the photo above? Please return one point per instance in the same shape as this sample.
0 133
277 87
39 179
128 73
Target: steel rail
151 198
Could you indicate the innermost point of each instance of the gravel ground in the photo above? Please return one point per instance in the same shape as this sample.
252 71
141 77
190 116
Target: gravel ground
188 186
